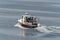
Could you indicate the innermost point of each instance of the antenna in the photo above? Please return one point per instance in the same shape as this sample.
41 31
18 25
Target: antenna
26 13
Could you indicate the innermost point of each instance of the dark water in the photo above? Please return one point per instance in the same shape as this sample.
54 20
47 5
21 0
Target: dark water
11 10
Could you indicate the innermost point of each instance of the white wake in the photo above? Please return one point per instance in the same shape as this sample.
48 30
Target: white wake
47 29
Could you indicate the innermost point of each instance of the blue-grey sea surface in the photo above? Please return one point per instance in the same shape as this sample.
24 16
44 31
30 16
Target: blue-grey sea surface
11 10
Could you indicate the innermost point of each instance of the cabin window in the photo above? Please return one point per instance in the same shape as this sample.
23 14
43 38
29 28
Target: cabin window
30 19
22 16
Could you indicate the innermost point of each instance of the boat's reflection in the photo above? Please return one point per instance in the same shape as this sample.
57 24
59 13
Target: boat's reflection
28 32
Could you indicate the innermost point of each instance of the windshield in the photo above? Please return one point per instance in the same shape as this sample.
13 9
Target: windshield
30 19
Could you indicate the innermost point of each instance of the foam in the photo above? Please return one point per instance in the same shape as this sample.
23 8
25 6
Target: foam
45 29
